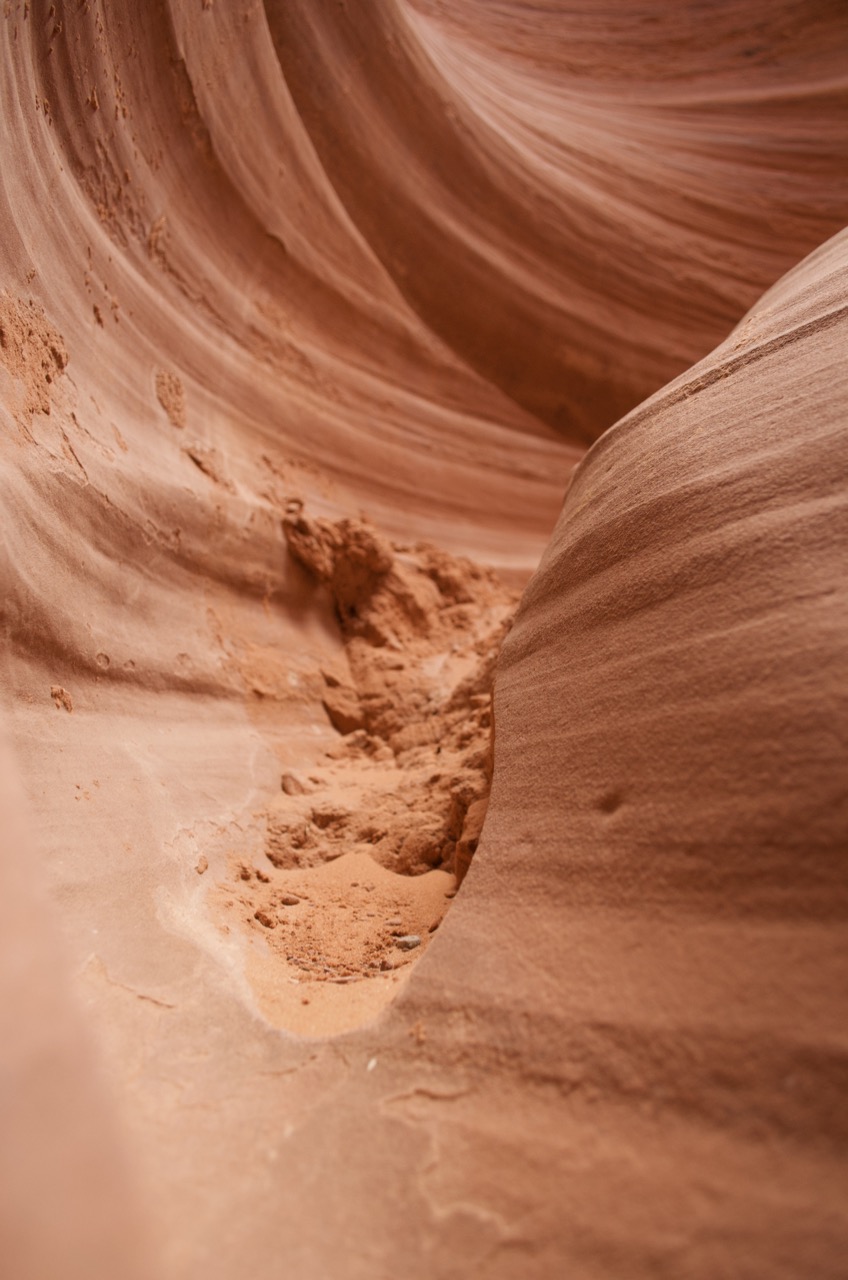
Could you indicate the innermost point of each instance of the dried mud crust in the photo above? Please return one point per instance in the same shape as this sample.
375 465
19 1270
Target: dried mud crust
365 844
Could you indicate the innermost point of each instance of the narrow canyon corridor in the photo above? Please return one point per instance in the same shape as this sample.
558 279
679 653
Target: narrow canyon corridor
424 672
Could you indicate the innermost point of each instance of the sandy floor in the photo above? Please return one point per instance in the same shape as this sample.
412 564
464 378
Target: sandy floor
332 959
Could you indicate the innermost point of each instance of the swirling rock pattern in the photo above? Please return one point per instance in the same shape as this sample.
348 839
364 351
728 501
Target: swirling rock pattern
409 260
669 790
576 200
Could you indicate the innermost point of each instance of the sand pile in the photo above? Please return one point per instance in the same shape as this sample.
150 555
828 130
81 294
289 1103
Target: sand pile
406 787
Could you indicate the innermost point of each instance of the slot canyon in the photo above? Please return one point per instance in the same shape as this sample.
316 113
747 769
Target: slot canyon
424 640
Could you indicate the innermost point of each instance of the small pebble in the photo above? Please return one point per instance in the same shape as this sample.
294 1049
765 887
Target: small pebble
202 864
434 926
264 919
408 942
289 900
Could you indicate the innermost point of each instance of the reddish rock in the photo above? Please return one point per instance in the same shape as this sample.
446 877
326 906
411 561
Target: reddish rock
308 312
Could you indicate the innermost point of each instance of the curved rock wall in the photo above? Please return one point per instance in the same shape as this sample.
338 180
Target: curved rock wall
668 820
581 202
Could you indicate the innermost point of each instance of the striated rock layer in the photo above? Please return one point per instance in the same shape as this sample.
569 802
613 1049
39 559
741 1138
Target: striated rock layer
307 313
669 817
581 200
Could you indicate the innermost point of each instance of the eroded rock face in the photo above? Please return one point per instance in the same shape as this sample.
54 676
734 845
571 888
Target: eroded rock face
669 805
402 794
684 630
576 200
402 263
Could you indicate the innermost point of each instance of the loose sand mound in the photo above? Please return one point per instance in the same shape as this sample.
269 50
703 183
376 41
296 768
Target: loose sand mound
406 787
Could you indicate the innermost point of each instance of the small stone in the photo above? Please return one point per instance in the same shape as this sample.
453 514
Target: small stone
408 942
292 785
434 926
61 697
390 924
202 864
264 919
343 709
261 875
289 900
